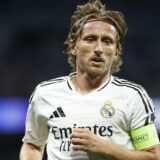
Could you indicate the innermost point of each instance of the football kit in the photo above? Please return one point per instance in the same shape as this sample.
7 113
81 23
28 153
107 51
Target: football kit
111 111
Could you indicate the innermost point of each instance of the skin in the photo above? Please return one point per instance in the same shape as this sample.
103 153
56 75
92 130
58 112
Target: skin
31 152
95 51
85 140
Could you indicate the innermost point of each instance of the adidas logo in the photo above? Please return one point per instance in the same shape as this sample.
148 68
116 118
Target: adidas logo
58 113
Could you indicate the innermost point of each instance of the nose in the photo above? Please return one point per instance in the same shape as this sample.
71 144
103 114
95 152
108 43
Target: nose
98 48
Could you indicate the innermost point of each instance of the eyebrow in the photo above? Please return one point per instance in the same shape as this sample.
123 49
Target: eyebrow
94 35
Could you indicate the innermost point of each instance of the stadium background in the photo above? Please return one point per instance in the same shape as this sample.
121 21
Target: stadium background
32 35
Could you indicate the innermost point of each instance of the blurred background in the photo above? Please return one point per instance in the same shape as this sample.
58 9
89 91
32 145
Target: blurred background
32 35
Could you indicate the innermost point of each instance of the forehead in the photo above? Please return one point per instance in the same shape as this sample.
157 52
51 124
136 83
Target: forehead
97 27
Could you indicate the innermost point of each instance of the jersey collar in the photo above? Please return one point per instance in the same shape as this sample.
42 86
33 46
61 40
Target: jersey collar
101 87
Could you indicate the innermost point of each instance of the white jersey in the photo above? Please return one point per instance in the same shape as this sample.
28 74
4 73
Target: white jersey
110 111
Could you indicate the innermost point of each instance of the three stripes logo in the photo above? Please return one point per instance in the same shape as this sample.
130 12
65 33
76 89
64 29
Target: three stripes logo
58 113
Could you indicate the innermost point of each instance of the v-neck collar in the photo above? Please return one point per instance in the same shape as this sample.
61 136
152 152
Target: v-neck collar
72 88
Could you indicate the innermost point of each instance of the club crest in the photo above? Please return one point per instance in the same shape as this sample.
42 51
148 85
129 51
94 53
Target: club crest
107 110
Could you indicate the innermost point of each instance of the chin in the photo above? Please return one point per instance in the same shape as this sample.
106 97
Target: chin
97 72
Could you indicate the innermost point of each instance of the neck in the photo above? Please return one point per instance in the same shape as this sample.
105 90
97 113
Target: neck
85 84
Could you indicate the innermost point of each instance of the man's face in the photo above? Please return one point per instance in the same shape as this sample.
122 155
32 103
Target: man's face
96 48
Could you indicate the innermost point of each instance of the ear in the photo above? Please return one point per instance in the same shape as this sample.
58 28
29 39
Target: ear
72 48
117 52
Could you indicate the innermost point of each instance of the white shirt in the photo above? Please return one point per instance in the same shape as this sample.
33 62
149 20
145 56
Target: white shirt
110 111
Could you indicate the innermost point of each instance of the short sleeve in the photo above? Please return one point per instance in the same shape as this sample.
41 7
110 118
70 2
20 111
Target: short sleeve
143 109
36 129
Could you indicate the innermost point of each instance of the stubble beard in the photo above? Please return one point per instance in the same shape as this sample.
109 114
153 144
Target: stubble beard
94 73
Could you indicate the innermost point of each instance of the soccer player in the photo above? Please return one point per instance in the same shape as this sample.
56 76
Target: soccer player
91 114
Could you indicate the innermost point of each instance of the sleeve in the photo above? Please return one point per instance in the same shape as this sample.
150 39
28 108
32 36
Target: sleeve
143 131
143 112
36 130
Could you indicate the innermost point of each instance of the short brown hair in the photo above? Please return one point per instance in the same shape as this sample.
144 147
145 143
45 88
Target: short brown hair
94 9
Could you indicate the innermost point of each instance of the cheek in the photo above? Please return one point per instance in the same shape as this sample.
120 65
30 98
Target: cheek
110 51
83 49
110 55
109 59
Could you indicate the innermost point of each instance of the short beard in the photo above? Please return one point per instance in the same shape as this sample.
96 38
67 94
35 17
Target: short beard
97 74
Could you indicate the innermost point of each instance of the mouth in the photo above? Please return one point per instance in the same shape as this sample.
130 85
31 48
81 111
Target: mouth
97 60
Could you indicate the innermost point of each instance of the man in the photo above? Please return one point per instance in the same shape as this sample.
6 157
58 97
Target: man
90 114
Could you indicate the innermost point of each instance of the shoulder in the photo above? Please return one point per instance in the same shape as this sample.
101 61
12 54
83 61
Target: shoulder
129 86
52 82
135 92
131 89
48 86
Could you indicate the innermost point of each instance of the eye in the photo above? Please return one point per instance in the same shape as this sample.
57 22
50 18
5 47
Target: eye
89 39
107 41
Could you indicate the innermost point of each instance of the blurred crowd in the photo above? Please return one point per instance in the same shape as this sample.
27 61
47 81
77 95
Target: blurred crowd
32 36
32 49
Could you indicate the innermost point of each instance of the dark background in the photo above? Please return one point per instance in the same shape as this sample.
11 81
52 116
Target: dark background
32 35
